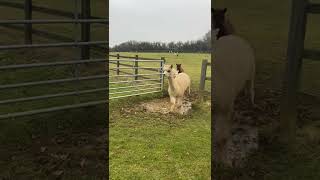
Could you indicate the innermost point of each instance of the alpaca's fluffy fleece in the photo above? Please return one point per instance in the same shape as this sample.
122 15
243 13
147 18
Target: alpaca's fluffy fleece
234 67
178 84
214 35
233 70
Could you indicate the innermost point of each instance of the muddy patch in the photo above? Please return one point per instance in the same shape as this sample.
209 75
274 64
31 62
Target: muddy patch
162 106
244 142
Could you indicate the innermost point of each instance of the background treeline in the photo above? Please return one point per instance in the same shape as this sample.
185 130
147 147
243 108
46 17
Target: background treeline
200 45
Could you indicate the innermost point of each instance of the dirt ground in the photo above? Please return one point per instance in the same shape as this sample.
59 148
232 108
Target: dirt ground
66 156
84 154
259 125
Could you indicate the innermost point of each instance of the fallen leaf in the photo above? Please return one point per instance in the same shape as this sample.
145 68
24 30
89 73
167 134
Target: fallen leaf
83 161
43 149
58 173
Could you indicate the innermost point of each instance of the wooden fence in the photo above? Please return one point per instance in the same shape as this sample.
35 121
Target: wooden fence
295 54
203 76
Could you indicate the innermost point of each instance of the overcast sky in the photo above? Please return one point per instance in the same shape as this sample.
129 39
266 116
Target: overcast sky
158 20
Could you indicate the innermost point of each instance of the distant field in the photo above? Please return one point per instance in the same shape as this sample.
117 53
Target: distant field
154 146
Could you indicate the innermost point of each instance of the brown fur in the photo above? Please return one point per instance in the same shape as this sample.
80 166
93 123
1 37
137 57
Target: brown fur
221 22
179 68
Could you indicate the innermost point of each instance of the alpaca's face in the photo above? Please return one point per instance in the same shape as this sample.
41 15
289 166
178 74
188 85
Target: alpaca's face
218 16
178 66
169 71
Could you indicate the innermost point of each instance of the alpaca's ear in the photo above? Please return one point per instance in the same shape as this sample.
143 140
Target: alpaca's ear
225 10
171 66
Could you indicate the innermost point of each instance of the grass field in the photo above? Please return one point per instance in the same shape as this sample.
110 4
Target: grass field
265 24
154 146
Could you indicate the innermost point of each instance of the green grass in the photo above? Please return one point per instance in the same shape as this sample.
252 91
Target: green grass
152 146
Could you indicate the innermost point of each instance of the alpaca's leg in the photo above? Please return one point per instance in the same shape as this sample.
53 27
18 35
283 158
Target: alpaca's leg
172 100
223 120
252 91
179 102
173 103
249 91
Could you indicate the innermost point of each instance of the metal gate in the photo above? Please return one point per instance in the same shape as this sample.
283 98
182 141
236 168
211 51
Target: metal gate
72 91
296 53
132 76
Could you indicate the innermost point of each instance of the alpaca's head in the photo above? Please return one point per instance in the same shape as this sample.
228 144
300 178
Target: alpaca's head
220 21
169 71
218 17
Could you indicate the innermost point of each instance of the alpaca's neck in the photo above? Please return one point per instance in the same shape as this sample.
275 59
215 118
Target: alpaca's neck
225 29
172 83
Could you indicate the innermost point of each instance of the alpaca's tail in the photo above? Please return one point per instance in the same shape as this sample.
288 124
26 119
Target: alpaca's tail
189 90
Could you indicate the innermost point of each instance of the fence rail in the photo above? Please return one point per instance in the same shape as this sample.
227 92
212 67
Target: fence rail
82 17
136 77
51 45
61 63
54 21
44 10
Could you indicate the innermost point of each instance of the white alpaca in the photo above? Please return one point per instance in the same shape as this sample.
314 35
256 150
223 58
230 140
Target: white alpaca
178 84
233 70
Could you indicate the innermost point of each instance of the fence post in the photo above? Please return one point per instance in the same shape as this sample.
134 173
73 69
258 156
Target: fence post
288 108
28 16
136 68
161 73
85 28
118 64
203 74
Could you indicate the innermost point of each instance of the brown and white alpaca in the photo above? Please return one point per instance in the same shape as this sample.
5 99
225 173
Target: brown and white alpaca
178 84
233 70
179 68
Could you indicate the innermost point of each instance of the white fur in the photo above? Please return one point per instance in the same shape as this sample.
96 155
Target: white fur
178 84
215 33
233 70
